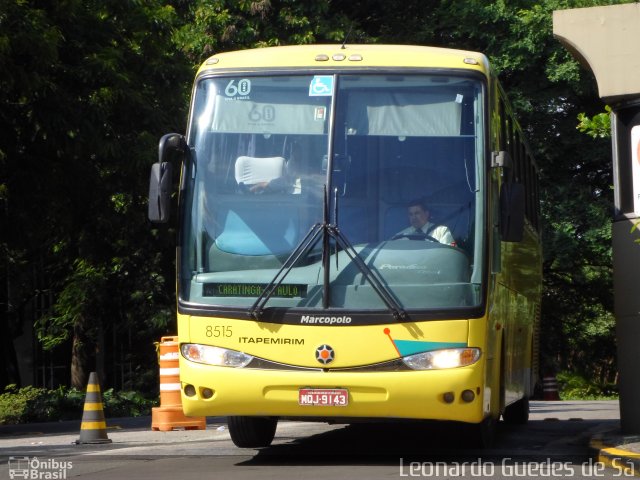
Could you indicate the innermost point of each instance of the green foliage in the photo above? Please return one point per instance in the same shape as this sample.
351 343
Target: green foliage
86 90
85 284
15 404
212 26
31 404
635 228
126 404
598 126
576 387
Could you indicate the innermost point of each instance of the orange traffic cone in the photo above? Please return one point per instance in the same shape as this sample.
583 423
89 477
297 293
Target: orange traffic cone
93 428
169 415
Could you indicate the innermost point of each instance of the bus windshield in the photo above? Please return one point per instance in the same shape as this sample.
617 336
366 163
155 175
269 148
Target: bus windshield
393 163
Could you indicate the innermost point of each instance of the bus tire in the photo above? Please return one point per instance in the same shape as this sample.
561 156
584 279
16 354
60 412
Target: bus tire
252 432
517 413
483 434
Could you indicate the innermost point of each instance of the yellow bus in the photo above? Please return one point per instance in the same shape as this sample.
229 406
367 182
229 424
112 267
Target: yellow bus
359 240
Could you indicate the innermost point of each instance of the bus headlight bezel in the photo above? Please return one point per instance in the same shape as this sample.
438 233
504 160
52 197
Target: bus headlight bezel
443 359
216 356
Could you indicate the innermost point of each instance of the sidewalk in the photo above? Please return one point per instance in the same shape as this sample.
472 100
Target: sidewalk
73 426
69 426
618 451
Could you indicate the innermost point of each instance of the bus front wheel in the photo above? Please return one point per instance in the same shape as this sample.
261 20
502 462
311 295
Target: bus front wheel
517 413
252 432
482 435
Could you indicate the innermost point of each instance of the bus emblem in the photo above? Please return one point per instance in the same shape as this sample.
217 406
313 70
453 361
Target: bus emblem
324 354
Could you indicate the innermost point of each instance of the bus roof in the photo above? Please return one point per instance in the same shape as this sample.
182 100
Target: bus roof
347 56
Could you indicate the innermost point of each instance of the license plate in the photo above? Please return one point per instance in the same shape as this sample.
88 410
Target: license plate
320 397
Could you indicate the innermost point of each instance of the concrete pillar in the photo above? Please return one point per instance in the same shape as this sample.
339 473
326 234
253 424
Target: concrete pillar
606 40
626 260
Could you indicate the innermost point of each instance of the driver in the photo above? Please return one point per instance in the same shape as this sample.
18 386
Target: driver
421 228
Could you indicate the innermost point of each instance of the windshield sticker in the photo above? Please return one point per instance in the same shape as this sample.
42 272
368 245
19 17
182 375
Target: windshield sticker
321 86
238 90
320 113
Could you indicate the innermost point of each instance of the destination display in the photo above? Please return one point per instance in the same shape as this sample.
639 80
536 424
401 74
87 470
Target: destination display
285 290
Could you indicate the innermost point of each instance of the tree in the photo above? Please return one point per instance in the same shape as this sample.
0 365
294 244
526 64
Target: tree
212 26
88 87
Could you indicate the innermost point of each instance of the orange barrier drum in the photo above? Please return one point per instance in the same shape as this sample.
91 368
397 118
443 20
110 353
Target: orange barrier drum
550 388
169 415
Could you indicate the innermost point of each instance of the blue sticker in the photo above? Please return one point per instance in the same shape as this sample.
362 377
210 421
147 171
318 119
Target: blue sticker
321 86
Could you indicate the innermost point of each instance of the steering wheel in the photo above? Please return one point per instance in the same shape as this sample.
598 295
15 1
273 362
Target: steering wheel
415 236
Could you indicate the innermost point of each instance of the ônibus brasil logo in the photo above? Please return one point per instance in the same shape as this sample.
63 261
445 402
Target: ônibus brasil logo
41 469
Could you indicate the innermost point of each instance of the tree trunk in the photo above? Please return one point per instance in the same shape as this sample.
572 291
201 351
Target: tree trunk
9 371
82 354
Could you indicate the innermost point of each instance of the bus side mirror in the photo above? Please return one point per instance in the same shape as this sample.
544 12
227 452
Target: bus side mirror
160 180
160 192
512 207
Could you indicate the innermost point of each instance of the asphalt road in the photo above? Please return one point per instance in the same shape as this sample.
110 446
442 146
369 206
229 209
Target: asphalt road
555 443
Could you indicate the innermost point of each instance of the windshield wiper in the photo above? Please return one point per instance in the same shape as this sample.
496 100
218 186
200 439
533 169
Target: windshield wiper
399 314
327 231
305 245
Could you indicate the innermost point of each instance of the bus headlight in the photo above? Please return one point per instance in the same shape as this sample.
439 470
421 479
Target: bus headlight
439 359
217 356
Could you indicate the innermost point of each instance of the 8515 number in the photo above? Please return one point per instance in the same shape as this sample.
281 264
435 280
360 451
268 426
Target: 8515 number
218 331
